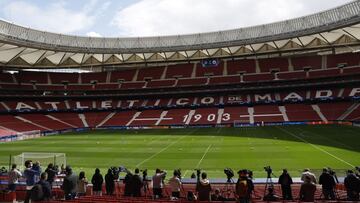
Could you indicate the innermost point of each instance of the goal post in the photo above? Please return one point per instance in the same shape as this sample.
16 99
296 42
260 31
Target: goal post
43 158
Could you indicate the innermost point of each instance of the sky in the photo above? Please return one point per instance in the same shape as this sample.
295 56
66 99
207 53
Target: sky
133 18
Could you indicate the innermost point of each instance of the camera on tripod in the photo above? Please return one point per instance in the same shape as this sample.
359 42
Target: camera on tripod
229 174
144 172
177 173
268 171
198 173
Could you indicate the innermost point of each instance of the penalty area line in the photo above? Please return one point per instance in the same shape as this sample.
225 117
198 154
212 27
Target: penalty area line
165 148
316 147
207 150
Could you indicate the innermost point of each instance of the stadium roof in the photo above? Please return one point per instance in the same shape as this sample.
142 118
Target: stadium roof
327 30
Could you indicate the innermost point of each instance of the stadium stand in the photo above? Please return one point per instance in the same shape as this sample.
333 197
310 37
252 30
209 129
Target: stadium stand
270 64
313 62
209 71
125 75
29 77
91 77
150 73
59 78
241 66
180 71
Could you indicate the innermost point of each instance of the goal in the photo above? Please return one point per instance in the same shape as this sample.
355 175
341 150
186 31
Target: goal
44 159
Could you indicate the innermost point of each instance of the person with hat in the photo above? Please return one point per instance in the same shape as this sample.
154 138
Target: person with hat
69 184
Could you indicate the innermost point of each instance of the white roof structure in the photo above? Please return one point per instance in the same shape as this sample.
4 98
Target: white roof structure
328 30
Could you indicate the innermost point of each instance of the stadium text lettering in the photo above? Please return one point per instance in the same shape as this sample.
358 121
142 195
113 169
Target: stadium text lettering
107 104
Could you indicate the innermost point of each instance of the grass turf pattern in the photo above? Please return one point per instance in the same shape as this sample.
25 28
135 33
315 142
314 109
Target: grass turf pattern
211 149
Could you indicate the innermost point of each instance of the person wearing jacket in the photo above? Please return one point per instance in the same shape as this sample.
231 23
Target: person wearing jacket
158 183
30 175
69 184
109 182
285 181
203 188
97 181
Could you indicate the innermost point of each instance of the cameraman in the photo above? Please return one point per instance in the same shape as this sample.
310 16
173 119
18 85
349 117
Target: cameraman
175 185
158 183
328 184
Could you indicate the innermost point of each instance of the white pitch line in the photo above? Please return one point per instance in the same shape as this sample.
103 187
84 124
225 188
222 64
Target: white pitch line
172 143
197 166
316 147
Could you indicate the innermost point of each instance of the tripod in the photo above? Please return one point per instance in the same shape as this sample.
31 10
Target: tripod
228 188
269 183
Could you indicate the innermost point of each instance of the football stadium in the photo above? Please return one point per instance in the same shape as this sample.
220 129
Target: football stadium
262 113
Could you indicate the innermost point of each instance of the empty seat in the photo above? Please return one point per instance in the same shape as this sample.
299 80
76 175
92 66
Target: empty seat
132 85
224 80
57 78
152 73
161 83
179 71
240 66
258 77
6 78
280 64
192 82
28 77
291 75
350 59
125 75
299 63
324 73
89 77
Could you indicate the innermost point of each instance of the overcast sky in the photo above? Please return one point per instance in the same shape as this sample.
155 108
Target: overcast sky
119 18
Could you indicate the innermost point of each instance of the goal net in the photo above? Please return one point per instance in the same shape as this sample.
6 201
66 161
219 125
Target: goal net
44 159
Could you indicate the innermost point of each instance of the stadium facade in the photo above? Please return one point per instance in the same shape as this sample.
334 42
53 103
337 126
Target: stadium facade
300 70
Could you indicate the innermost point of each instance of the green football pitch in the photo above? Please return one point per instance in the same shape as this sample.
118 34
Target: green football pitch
211 149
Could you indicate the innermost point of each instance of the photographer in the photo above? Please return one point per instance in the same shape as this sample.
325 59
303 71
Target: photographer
136 183
285 181
30 174
51 171
328 184
175 184
158 184
203 188
352 184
